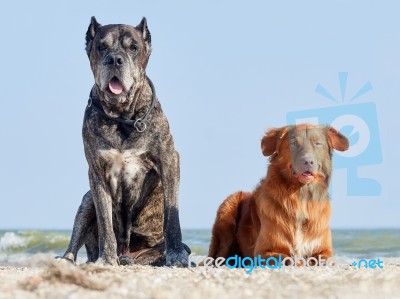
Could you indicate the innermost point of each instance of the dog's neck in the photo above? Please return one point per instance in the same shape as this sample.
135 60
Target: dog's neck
313 192
139 102
138 111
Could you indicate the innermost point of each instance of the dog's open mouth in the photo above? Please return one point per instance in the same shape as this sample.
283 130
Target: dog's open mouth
307 174
115 86
305 177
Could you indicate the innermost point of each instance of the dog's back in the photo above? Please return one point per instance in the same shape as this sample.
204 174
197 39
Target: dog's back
224 241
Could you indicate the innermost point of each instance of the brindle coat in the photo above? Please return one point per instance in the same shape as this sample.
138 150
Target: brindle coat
130 213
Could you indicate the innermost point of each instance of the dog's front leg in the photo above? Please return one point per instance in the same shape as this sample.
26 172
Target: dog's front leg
131 197
103 205
176 254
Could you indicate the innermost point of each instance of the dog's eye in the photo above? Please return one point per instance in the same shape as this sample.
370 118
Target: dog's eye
101 48
293 142
318 143
133 48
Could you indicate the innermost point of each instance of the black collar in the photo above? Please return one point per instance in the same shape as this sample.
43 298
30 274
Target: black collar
139 123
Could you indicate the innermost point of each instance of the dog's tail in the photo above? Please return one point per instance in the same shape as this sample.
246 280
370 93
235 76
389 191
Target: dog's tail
223 239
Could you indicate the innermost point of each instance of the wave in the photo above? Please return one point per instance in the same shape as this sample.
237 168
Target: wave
368 243
18 247
33 241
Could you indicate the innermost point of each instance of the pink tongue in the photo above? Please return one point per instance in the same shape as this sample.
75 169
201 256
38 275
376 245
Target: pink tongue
115 86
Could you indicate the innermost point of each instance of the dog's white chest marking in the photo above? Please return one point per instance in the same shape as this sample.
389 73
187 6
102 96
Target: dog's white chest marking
304 246
121 165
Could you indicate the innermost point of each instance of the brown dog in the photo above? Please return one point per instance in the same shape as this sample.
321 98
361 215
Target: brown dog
288 213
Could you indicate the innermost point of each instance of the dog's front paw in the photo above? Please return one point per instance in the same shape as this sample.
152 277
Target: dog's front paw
126 260
67 257
178 257
107 261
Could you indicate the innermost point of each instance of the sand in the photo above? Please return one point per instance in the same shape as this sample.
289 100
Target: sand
48 278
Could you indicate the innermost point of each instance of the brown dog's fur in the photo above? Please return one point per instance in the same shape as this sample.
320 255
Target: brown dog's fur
288 213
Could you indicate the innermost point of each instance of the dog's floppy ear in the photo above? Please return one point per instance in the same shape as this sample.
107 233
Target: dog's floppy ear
142 27
337 140
91 32
270 141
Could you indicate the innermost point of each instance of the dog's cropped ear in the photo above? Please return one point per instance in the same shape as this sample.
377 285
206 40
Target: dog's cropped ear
337 140
142 27
91 32
270 141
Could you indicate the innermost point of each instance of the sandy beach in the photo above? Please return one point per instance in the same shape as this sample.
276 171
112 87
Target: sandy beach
47 278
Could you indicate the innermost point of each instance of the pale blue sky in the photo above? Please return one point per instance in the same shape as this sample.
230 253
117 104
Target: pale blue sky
224 72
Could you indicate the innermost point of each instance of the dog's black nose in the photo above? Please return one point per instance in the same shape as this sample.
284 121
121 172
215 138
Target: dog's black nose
113 59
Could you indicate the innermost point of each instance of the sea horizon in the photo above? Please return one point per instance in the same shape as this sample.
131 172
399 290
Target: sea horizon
19 245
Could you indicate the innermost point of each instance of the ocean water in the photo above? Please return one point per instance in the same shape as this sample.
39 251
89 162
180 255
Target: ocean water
18 246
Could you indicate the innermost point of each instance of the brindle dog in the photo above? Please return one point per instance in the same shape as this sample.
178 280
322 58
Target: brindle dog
130 213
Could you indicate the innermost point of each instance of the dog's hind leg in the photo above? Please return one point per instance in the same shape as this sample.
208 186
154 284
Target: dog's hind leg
92 244
224 240
84 230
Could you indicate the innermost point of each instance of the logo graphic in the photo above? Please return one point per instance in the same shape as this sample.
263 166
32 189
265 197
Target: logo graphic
372 263
359 123
257 262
